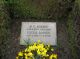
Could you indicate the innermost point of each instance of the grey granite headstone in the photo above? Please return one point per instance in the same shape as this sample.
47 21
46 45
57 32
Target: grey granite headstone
33 31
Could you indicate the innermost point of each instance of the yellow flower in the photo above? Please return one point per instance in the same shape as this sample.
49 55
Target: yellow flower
41 45
16 57
39 41
38 51
34 44
52 49
26 57
53 56
26 50
48 45
20 54
30 54
41 50
32 48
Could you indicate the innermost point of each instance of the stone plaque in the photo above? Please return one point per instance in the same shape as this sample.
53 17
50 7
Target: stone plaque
33 31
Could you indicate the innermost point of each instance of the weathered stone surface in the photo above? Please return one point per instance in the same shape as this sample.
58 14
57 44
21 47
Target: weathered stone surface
33 31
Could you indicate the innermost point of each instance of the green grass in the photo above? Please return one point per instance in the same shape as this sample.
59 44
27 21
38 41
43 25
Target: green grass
78 2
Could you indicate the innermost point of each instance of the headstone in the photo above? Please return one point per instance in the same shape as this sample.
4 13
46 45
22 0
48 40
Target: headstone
33 31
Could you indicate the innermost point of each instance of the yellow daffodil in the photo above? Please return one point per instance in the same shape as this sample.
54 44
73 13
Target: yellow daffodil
53 56
39 41
26 57
52 49
16 57
39 48
30 54
20 54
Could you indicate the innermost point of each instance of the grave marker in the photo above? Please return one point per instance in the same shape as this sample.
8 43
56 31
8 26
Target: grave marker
33 31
